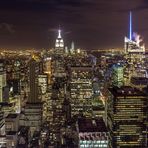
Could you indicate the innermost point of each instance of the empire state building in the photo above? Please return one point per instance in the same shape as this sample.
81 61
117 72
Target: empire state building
58 57
59 44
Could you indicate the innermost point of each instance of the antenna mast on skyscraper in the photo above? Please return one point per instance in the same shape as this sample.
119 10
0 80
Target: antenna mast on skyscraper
130 26
59 32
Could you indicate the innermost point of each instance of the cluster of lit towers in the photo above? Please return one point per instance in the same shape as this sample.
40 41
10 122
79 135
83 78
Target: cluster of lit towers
127 104
68 98
125 110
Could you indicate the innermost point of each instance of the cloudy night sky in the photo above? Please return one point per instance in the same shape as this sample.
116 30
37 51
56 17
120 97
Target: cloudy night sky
90 24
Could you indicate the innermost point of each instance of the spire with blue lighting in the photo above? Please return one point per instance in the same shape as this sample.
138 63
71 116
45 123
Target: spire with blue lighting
130 26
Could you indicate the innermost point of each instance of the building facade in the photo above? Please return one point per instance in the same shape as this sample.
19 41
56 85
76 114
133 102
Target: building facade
81 90
126 117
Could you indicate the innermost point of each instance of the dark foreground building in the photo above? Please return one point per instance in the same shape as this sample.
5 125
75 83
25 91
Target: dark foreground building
127 117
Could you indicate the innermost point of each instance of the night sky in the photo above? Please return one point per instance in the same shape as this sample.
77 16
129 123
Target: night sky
89 23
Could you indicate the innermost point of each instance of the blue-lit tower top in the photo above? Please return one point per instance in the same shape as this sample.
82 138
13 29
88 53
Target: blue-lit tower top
133 43
130 26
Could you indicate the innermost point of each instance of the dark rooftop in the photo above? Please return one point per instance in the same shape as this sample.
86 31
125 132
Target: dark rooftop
34 103
11 133
139 80
24 127
5 104
12 116
126 91
91 125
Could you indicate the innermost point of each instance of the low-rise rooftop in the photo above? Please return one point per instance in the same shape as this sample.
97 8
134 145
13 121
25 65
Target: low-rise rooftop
11 133
12 116
91 125
126 91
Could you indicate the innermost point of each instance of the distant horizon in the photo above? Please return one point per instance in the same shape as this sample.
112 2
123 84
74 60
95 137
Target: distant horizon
90 24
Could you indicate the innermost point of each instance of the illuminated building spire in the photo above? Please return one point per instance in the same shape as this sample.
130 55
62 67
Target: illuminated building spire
72 45
59 41
59 33
130 26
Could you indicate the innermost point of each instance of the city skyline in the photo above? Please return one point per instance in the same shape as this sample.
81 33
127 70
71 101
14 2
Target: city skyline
67 95
90 24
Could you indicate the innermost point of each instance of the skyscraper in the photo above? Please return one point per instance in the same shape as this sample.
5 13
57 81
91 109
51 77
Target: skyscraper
59 44
126 116
58 57
117 75
2 81
81 90
33 81
2 128
33 108
134 55
72 49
